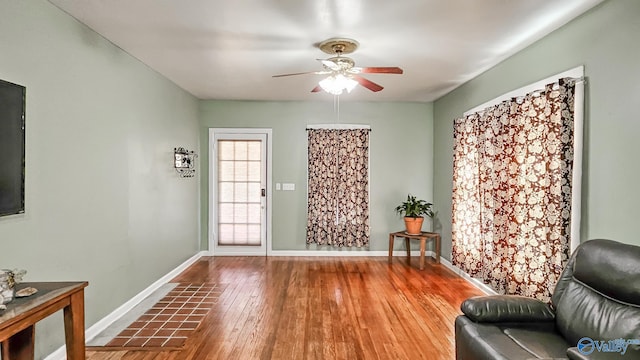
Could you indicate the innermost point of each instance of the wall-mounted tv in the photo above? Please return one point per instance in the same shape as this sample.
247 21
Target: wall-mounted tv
12 143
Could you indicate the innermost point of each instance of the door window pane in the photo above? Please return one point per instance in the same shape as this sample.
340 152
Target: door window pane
239 192
254 171
226 192
253 150
254 192
253 234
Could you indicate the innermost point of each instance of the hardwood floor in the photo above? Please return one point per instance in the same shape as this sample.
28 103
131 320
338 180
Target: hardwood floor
320 308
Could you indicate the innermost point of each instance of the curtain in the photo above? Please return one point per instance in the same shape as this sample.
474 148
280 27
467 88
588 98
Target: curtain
512 191
338 187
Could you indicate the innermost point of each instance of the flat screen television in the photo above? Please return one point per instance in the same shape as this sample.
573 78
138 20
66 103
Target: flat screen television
12 144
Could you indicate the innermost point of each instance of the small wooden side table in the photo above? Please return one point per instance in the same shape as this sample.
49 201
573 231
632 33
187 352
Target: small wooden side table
423 237
17 322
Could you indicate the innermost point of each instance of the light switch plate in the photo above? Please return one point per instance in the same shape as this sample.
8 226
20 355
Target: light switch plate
277 186
288 187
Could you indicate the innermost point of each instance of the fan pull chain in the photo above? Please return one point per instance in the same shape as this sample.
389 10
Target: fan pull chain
336 107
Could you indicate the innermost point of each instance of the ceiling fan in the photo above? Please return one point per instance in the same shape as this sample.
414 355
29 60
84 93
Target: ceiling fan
341 70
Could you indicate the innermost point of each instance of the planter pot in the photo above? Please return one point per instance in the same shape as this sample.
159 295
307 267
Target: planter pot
413 225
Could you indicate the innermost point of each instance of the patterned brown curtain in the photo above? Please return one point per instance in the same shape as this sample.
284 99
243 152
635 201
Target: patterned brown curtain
338 187
512 176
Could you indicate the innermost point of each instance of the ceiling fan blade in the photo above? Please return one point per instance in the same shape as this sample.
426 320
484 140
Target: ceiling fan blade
367 83
316 89
303 73
381 70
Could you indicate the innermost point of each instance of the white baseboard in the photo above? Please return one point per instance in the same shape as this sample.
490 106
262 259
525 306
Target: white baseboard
346 252
483 287
98 327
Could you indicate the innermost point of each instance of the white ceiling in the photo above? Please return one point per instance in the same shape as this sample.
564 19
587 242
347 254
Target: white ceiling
229 49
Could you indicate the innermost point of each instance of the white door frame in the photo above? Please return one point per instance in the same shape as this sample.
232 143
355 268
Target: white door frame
212 176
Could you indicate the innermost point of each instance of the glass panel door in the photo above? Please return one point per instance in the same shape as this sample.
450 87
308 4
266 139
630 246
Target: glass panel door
240 194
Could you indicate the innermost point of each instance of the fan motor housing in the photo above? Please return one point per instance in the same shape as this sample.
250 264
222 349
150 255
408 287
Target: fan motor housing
338 46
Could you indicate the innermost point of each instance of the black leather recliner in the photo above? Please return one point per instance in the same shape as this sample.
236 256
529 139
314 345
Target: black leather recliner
596 302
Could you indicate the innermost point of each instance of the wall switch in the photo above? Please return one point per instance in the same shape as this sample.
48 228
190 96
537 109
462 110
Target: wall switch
288 187
277 186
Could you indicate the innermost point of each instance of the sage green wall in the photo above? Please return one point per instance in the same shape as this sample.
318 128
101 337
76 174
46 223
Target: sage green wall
605 41
103 203
401 158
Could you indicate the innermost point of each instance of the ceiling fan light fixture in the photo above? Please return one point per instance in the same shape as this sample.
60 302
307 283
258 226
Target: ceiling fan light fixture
341 70
336 84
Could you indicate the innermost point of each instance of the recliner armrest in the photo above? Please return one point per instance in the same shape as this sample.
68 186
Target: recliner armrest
506 308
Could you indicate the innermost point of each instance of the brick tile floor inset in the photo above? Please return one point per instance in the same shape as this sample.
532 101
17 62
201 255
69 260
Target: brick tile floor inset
171 320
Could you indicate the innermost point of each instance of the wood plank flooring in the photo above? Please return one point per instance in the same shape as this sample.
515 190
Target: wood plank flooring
320 308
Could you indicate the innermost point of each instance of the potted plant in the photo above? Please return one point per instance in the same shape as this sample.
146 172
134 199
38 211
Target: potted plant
414 211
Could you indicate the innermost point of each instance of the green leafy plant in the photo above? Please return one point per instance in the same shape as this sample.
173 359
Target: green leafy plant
414 208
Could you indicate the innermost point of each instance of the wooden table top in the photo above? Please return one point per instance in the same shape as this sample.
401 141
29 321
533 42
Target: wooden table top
405 234
48 292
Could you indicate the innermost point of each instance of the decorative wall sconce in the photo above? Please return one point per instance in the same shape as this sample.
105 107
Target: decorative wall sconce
184 162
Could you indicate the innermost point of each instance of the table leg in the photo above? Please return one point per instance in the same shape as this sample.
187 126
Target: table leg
407 244
438 248
423 245
20 345
391 238
74 327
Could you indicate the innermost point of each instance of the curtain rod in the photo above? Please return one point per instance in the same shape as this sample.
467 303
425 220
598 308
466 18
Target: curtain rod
481 108
578 79
576 73
338 127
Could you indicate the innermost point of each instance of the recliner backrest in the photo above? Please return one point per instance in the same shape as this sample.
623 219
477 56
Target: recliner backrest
598 294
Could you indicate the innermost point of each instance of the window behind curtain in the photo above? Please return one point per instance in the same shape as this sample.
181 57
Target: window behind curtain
338 187
512 191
